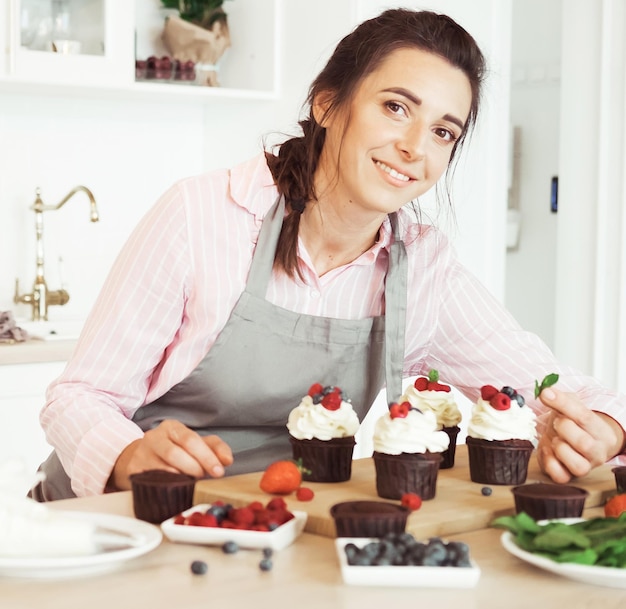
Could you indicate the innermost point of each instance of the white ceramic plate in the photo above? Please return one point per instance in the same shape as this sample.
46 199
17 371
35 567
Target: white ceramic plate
600 576
277 539
425 577
146 537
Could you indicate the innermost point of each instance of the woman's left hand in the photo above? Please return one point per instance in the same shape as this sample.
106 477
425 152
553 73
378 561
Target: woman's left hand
576 439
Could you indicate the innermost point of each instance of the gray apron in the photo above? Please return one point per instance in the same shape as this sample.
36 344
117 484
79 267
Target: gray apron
265 359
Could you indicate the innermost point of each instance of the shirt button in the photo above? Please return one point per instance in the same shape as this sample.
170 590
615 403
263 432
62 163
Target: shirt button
315 294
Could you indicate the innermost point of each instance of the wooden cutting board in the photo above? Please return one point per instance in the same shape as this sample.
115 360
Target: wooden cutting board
458 507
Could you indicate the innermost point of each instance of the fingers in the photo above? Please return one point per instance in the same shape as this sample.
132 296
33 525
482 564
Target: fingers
188 452
576 440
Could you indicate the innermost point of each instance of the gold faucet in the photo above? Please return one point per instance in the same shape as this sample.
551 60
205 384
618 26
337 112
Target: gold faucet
41 297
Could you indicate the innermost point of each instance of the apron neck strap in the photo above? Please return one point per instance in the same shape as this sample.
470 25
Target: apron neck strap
395 289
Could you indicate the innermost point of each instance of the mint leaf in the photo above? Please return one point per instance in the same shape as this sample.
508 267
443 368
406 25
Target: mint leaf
548 381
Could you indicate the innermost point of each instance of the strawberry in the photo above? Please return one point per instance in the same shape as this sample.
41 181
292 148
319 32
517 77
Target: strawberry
421 383
332 401
315 388
411 501
281 478
304 494
500 401
399 411
615 506
487 392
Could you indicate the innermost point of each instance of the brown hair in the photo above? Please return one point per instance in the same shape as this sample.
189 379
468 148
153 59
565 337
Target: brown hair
355 57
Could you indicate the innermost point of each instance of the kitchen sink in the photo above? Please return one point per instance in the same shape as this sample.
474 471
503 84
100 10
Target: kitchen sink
52 330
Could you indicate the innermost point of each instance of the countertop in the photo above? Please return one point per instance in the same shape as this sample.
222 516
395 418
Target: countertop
305 575
35 351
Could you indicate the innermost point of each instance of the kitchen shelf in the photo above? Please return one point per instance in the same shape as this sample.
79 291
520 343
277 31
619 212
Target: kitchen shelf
248 70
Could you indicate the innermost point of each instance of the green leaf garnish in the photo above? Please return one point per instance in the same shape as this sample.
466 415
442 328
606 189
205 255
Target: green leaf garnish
433 376
597 541
548 381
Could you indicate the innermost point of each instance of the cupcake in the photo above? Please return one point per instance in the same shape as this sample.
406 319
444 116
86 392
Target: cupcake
427 393
368 518
500 437
321 432
159 494
544 501
407 452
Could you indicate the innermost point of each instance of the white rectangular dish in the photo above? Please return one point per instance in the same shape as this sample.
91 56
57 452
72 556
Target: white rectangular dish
425 577
277 539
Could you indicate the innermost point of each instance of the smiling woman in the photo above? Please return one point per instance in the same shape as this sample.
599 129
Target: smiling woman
299 265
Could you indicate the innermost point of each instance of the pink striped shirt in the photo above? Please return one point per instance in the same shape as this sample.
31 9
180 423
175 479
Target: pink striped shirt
176 281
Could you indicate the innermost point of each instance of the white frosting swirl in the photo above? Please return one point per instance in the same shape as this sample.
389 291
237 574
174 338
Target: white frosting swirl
415 433
442 403
517 422
308 420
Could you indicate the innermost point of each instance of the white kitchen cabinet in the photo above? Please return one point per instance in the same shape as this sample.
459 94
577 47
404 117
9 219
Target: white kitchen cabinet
100 40
22 394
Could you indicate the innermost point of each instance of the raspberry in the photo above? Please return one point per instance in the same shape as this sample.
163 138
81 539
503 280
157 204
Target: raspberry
180 519
304 494
421 383
278 503
399 411
500 401
487 392
411 501
241 516
332 401
256 506
198 519
315 389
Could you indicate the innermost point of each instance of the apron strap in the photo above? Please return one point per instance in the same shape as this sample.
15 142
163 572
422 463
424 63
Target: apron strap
263 257
395 289
395 313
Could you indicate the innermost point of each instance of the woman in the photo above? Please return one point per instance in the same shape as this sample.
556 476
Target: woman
240 288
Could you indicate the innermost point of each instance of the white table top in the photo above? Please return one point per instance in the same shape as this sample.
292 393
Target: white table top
305 575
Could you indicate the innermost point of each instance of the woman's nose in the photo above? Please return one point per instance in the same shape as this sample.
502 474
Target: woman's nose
413 141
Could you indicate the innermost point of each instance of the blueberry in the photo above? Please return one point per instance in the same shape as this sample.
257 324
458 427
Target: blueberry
520 400
509 391
199 567
266 564
267 552
486 491
230 547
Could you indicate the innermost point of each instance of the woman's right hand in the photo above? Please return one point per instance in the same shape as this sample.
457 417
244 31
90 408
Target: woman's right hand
174 447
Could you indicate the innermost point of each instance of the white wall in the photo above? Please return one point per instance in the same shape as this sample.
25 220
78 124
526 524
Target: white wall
535 112
127 152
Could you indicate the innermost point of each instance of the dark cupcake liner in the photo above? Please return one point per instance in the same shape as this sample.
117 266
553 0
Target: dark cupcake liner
368 518
406 473
544 501
620 478
498 462
159 495
447 456
325 460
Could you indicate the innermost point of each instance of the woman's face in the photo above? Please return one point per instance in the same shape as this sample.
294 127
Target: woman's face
395 139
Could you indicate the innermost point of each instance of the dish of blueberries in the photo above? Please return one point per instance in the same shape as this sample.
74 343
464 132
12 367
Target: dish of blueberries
401 560
209 524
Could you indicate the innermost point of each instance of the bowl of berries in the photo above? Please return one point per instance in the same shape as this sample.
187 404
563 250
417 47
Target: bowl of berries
398 559
255 525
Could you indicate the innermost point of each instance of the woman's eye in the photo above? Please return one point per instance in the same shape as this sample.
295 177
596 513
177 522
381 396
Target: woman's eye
445 134
395 107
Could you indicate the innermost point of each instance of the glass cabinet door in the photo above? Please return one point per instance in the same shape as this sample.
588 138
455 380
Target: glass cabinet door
70 41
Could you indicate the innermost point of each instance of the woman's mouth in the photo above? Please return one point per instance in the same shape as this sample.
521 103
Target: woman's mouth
392 172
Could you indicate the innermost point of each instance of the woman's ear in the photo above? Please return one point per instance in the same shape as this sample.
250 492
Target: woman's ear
321 105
